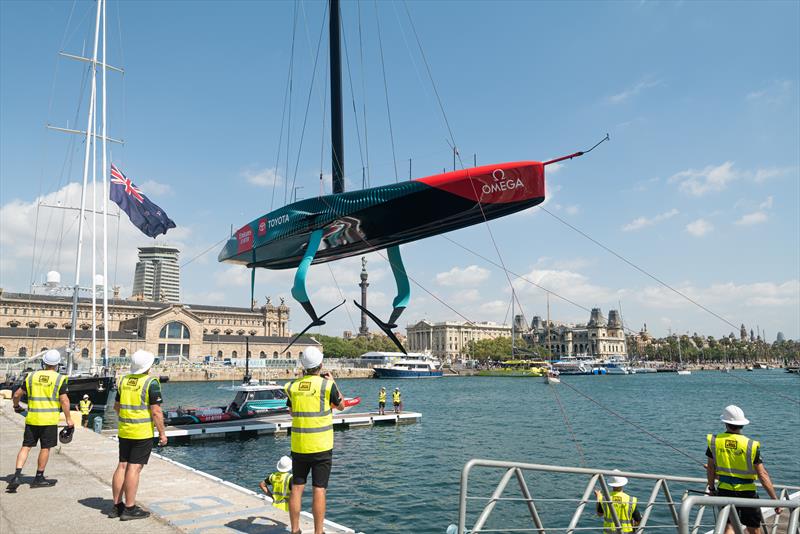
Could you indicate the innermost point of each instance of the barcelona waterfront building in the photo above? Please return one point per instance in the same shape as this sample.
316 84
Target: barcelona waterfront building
33 322
598 338
449 340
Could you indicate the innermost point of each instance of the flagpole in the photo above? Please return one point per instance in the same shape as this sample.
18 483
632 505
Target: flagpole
105 204
88 142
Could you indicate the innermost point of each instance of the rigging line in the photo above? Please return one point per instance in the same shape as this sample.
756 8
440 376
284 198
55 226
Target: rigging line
341 295
677 292
308 101
458 154
430 75
289 118
756 384
410 55
280 137
206 251
324 121
353 96
635 425
386 92
363 91
525 279
568 425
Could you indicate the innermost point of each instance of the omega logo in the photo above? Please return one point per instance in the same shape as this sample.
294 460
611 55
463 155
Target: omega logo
500 183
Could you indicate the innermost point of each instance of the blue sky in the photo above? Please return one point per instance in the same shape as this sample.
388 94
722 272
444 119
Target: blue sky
699 185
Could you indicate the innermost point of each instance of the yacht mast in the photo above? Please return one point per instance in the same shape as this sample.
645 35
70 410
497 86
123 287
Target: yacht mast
513 324
90 134
105 201
337 130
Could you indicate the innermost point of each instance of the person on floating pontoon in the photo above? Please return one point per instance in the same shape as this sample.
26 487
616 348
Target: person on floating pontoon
624 506
397 399
382 402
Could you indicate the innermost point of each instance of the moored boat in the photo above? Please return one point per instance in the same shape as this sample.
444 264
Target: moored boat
409 368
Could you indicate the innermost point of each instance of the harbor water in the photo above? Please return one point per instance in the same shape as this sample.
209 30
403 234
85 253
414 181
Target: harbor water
406 478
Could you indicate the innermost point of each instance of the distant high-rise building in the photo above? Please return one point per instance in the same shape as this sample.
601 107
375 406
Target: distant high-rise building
743 333
158 276
781 337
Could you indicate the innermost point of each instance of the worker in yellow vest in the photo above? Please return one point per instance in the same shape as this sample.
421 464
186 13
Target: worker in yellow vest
623 505
281 482
311 400
138 407
85 406
734 464
46 391
396 399
382 402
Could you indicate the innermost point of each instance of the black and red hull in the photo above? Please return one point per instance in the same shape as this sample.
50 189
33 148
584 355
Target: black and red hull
372 219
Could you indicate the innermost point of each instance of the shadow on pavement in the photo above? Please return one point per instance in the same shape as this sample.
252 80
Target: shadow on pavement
257 525
98 503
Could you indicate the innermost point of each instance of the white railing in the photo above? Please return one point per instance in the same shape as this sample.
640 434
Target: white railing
677 511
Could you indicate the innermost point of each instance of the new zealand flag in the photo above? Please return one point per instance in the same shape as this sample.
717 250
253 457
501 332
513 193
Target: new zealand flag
145 215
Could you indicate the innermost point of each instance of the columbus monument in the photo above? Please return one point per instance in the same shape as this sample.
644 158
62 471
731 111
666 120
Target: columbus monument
363 331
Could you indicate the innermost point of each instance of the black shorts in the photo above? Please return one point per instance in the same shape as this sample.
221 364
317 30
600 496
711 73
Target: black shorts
46 436
318 463
135 451
381 404
84 418
750 517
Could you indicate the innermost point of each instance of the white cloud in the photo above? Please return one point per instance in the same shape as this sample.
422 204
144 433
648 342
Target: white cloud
263 177
554 168
762 175
757 216
572 210
468 276
711 178
699 228
495 308
565 282
632 91
152 189
726 295
774 93
749 219
642 222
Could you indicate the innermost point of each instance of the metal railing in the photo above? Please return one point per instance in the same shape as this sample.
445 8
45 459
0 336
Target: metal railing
678 511
728 512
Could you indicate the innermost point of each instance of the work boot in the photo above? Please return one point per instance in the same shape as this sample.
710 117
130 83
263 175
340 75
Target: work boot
116 510
39 481
13 483
129 514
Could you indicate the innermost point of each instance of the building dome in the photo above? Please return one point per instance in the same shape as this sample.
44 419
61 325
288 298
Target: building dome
53 278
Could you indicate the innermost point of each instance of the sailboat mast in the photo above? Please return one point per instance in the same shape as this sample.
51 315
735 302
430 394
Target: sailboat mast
513 325
337 127
105 201
87 152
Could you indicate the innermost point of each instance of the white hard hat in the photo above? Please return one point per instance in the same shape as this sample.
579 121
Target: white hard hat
141 361
284 464
51 357
86 396
617 481
733 415
311 357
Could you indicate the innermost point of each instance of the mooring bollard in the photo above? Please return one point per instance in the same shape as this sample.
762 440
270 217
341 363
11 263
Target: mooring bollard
98 424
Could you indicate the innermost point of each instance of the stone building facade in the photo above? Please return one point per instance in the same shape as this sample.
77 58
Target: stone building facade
30 323
448 340
599 338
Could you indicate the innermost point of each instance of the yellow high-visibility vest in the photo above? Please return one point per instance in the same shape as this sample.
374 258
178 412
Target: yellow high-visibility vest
396 397
624 505
382 396
312 418
43 404
280 490
733 456
85 406
135 421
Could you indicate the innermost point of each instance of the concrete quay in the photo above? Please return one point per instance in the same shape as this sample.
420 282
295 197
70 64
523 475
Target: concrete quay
204 373
180 498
